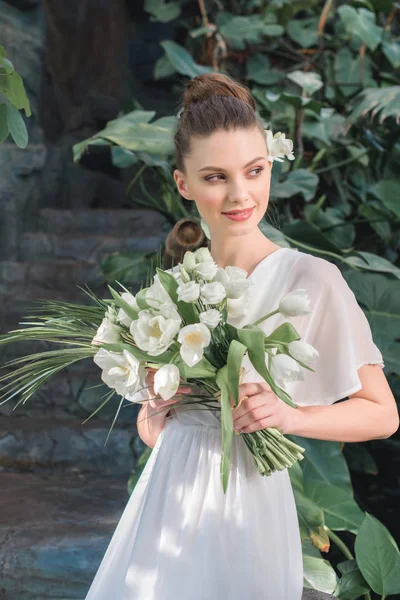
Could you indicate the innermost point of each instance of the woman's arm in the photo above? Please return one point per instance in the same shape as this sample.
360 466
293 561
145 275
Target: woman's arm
369 414
149 424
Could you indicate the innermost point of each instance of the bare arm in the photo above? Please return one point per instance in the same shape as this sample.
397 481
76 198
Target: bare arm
371 413
149 424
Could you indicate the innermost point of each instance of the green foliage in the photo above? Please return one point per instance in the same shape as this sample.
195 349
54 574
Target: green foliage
13 98
327 75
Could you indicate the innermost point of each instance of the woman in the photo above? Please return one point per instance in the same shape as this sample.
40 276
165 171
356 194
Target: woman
180 537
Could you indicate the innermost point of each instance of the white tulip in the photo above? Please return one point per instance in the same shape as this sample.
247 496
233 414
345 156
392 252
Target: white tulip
206 270
210 318
278 146
202 254
166 381
285 369
189 261
183 274
188 292
237 307
295 303
122 316
108 332
157 295
234 280
194 338
121 372
212 293
154 331
303 352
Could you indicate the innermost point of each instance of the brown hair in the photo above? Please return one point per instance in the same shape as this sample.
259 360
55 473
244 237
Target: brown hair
213 101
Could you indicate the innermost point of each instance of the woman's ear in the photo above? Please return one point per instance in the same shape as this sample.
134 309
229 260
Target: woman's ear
181 184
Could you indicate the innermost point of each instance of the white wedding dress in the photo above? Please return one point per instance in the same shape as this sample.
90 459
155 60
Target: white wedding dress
180 537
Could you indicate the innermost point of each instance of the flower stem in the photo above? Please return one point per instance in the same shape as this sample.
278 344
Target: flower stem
266 316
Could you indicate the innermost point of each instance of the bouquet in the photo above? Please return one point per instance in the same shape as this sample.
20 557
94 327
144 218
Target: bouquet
180 325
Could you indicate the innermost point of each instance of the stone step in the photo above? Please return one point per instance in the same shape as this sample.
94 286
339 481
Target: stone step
46 246
54 531
139 222
47 442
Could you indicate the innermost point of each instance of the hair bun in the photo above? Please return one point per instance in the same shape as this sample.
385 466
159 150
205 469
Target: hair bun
202 87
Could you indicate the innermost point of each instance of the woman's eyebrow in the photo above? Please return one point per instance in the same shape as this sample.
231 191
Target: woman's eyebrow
221 169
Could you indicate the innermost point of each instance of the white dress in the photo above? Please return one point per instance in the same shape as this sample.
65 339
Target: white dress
180 537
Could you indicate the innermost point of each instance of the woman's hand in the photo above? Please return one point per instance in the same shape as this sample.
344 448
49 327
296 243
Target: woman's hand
259 407
156 401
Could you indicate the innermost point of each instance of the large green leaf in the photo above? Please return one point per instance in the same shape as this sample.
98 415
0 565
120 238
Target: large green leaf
310 82
324 461
4 132
240 29
235 355
294 100
319 574
328 221
384 102
311 521
162 11
378 557
392 52
273 234
304 31
373 262
387 190
352 584
17 127
182 60
12 87
361 23
352 72
299 181
259 69
340 510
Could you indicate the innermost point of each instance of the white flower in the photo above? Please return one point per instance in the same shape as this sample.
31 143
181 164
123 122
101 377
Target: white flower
295 303
189 261
121 372
157 295
303 352
278 146
122 316
285 369
206 270
202 254
234 280
183 274
237 307
212 293
210 318
154 331
166 381
108 332
188 292
194 338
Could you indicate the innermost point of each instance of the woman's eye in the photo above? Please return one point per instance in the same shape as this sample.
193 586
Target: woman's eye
215 177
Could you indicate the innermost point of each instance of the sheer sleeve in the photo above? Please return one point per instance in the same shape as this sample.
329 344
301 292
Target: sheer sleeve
337 327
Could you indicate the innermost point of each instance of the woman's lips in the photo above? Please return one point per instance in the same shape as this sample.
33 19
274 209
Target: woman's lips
240 216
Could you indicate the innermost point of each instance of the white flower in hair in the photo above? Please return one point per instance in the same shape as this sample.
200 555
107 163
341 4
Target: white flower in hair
278 146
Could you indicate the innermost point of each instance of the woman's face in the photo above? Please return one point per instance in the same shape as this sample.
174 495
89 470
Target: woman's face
228 171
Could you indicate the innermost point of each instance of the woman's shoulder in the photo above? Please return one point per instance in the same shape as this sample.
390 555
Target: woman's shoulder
309 265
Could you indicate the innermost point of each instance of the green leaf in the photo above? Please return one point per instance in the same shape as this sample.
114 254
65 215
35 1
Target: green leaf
294 100
127 267
309 82
378 557
304 31
164 358
359 459
4 132
141 299
384 101
311 520
182 60
12 87
240 29
130 311
201 369
163 68
387 192
4 62
162 11
273 234
352 584
17 127
299 181
259 70
236 352
283 333
319 574
361 23
311 235
253 339
373 262
122 158
324 461
187 310
352 71
226 426
392 52
341 511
